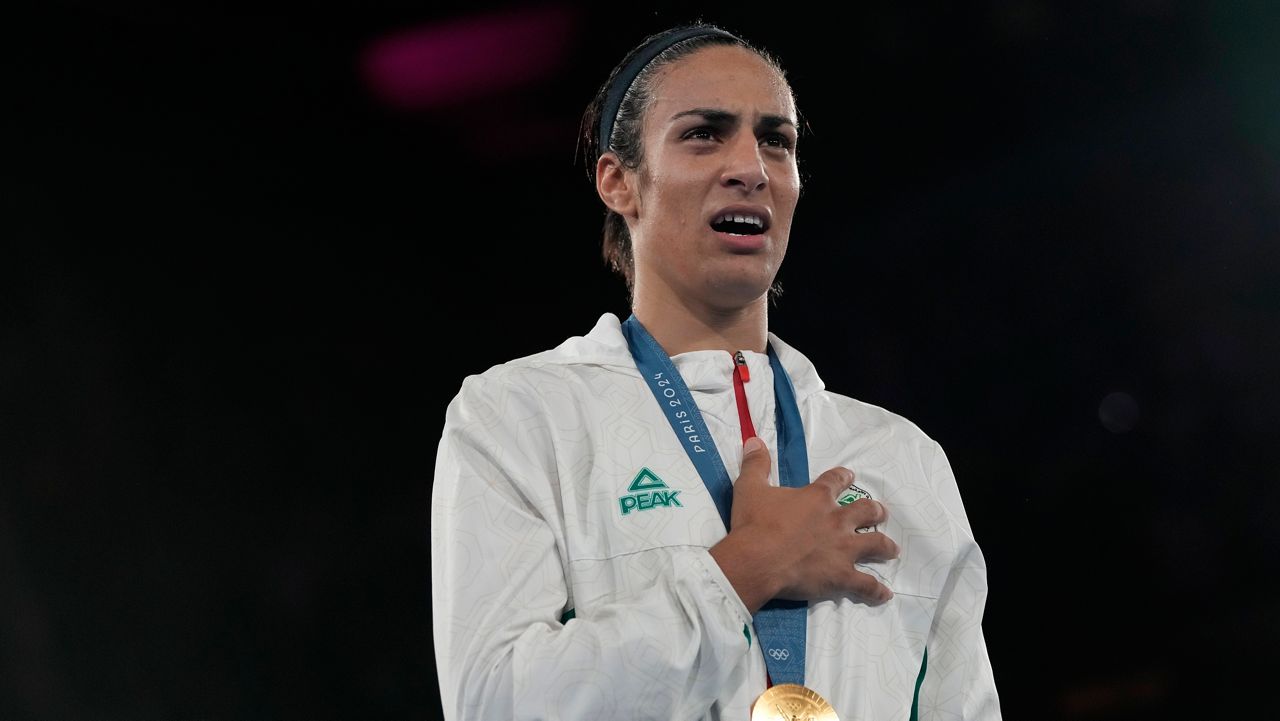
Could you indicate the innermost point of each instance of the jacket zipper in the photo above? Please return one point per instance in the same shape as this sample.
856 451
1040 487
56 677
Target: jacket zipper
741 375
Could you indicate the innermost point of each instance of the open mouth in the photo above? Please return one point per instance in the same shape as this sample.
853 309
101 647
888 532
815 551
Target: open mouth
739 225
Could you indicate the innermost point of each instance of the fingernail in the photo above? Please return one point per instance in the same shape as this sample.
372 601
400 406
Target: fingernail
752 445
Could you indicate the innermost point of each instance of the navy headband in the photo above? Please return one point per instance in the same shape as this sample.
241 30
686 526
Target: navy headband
622 81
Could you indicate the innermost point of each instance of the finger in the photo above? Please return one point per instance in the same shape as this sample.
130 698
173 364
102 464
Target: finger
755 462
834 481
865 512
875 547
866 587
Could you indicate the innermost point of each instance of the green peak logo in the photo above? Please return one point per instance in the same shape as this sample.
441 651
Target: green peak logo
647 492
646 480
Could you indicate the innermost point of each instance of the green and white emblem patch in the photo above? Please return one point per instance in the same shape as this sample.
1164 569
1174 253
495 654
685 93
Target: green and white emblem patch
851 494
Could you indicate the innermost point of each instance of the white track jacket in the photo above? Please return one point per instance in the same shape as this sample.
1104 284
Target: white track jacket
570 570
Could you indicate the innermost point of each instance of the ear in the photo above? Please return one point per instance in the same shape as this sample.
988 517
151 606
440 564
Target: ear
616 185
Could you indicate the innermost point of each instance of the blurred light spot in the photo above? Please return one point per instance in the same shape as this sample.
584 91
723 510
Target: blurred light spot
1118 412
443 64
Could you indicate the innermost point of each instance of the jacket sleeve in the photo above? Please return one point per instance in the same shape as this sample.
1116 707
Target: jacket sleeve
958 682
499 590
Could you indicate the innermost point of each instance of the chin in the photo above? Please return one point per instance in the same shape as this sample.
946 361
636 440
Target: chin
732 293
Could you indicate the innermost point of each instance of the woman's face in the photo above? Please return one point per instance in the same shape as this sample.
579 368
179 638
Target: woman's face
719 137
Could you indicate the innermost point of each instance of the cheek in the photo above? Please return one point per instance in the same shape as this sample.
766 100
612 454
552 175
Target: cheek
791 185
785 198
674 206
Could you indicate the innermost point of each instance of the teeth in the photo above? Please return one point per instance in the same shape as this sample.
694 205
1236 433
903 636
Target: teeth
738 218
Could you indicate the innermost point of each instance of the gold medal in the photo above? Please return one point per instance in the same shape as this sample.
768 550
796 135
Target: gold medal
792 702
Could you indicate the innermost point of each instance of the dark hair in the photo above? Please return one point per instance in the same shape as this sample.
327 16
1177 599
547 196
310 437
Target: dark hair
625 140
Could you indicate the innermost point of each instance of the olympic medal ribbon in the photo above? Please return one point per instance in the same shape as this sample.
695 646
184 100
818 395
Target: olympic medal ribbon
780 624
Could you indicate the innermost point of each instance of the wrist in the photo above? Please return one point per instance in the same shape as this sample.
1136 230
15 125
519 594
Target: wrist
746 571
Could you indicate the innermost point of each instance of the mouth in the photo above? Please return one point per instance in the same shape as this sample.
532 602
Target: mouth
740 223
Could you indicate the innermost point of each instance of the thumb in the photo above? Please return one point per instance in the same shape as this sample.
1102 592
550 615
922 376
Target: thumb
755 460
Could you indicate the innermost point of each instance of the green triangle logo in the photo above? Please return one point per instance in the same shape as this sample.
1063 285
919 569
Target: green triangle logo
646 480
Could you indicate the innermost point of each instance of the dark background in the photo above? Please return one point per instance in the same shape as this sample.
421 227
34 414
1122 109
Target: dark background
248 261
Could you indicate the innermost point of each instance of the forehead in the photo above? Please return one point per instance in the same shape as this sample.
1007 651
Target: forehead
727 77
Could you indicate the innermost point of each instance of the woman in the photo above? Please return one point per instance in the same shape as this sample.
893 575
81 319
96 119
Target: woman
625 526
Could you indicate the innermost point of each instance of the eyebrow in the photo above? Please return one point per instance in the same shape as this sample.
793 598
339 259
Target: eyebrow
716 116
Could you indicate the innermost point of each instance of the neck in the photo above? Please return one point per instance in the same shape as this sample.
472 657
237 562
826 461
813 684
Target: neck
680 327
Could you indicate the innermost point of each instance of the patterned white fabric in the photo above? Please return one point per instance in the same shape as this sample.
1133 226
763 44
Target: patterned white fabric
527 523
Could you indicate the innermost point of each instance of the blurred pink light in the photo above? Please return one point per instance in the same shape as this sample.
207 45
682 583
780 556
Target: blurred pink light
443 64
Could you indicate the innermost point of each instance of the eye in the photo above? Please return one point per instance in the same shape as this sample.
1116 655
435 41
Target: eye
778 140
699 133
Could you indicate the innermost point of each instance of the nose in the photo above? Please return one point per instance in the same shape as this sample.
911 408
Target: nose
744 165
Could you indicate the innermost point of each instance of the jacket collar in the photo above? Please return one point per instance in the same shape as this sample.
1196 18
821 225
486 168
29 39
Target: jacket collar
606 345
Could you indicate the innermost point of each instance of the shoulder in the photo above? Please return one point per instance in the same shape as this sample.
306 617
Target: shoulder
873 426
533 378
503 389
870 416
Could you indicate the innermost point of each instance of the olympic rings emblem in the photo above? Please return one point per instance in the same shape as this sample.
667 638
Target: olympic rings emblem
779 654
